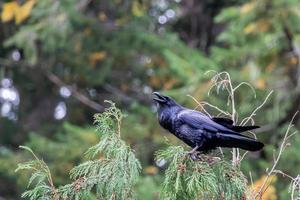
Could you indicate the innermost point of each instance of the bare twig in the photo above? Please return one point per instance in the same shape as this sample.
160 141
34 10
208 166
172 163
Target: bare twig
277 171
251 179
226 83
276 160
250 118
223 81
243 156
295 187
247 119
235 151
203 103
247 84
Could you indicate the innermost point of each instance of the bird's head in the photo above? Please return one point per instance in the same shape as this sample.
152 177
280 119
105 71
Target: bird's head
163 101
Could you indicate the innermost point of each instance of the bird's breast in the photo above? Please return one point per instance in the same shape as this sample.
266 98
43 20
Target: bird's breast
167 123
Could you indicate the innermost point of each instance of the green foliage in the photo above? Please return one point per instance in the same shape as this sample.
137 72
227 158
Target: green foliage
49 24
114 174
148 187
260 44
41 175
62 152
111 172
207 178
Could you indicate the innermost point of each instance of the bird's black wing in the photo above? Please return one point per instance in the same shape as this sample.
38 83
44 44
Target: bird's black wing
217 134
200 121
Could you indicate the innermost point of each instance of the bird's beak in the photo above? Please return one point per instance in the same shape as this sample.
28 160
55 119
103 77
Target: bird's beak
159 98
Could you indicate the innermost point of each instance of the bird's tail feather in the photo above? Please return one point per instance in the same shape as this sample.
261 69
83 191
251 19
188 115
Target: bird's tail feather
239 141
228 123
243 128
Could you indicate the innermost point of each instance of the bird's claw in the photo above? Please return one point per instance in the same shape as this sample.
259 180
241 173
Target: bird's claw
194 156
198 156
193 153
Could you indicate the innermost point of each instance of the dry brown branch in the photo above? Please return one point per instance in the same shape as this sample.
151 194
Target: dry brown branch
54 79
75 93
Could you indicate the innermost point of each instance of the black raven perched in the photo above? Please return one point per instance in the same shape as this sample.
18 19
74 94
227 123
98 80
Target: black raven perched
201 132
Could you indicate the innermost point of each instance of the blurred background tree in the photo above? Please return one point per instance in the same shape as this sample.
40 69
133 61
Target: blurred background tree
60 59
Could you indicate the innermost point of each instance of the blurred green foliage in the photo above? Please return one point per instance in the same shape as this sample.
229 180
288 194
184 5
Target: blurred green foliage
123 50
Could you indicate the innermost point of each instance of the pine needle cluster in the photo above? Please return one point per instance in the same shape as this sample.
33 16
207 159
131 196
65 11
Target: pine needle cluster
206 178
110 173
40 179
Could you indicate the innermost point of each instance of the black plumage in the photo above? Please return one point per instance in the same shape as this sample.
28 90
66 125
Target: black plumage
201 132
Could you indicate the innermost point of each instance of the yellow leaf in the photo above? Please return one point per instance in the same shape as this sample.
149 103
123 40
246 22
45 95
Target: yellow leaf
250 28
260 83
259 26
247 7
151 170
8 11
24 11
96 57
269 189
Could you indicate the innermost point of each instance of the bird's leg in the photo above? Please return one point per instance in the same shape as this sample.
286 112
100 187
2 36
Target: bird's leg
193 150
193 155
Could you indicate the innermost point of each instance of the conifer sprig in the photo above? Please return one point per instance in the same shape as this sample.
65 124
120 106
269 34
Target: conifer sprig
110 173
206 178
41 176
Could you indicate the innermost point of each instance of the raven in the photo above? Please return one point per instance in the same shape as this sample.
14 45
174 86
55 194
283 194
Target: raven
201 132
